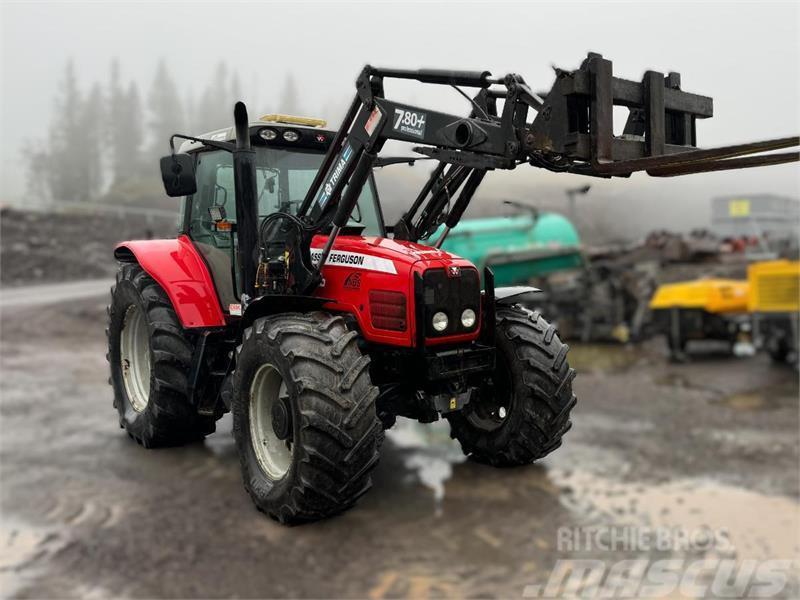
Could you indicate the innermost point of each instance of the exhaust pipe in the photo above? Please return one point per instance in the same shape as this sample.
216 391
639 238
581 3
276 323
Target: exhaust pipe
245 186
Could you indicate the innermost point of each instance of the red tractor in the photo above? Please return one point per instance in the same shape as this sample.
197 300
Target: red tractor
287 300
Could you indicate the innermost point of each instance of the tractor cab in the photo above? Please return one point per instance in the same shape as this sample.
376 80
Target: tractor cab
288 153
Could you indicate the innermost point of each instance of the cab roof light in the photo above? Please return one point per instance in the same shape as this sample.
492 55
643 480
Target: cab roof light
293 120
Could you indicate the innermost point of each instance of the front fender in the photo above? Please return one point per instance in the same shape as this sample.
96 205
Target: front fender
513 294
178 268
271 304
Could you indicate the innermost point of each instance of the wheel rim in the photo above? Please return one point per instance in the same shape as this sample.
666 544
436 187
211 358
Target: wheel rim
494 402
135 358
273 454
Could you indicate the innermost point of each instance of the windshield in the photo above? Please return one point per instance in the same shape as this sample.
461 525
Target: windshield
283 178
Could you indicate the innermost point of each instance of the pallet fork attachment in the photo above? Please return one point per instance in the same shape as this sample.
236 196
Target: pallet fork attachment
660 135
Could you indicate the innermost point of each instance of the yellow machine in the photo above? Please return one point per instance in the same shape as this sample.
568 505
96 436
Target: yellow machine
705 309
774 303
715 296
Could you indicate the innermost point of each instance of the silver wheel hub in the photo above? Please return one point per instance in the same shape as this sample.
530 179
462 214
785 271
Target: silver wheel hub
134 347
273 454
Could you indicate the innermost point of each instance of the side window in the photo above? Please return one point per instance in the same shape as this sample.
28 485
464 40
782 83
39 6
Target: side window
224 192
214 172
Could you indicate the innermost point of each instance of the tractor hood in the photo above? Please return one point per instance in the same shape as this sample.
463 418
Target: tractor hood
407 251
360 267
383 253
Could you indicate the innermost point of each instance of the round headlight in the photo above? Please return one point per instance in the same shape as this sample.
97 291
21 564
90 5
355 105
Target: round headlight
268 134
439 321
468 318
291 136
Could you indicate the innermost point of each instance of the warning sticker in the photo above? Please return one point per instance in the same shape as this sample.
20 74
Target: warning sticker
373 121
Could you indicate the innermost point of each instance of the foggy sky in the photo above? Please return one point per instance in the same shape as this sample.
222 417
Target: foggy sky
744 55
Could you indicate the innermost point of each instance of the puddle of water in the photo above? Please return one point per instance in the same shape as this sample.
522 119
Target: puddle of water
771 396
758 526
22 548
673 379
601 357
745 401
429 452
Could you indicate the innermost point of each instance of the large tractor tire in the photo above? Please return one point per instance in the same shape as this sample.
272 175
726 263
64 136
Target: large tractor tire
304 416
150 356
522 411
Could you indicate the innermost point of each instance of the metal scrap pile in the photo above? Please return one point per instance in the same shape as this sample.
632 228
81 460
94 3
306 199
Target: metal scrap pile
697 246
606 300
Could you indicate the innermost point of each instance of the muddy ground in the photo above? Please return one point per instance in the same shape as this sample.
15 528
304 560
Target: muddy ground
88 514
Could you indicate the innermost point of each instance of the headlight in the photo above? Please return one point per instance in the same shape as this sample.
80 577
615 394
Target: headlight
291 136
268 134
439 321
468 318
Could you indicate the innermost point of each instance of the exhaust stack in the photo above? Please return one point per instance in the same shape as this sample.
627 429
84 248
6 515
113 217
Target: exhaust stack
245 186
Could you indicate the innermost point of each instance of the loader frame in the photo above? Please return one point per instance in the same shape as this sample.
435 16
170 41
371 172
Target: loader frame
572 131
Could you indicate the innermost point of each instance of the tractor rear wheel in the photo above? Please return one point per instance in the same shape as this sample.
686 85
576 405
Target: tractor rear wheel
150 355
304 416
522 411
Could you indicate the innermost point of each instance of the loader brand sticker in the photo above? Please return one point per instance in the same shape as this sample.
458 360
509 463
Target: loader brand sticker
235 310
374 120
327 189
409 122
339 258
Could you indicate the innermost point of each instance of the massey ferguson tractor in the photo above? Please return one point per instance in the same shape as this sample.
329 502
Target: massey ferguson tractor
287 300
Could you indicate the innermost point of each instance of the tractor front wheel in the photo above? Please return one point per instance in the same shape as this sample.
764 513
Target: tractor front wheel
304 416
150 357
522 410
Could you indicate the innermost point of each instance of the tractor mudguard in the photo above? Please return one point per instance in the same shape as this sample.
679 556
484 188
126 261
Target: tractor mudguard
178 268
513 294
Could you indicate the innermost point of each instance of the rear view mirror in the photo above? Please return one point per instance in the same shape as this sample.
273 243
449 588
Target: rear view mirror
177 172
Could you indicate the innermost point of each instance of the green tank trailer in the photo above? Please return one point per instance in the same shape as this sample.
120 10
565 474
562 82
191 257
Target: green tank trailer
518 248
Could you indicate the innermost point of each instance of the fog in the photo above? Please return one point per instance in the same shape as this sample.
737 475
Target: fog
744 55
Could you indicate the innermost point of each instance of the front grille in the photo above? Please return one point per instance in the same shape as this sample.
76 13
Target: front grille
388 309
450 295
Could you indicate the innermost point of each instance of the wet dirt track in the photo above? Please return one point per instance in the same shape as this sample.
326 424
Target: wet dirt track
87 513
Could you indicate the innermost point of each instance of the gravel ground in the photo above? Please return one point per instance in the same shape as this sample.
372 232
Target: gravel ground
89 514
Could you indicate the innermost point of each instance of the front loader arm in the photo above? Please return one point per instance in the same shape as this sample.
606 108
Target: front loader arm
572 131
468 145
